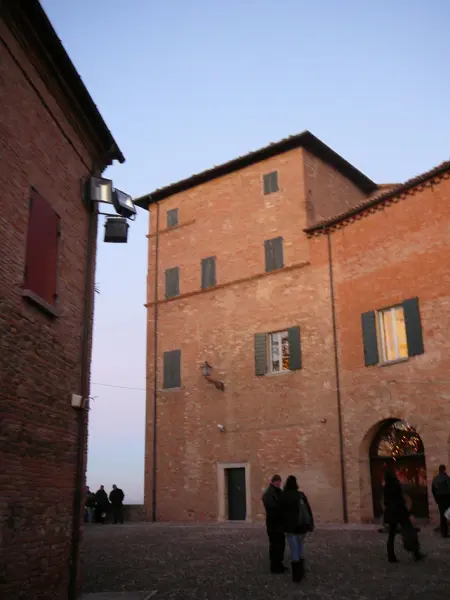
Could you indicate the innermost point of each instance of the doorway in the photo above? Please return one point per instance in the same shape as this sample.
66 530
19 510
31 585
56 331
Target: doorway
236 494
398 446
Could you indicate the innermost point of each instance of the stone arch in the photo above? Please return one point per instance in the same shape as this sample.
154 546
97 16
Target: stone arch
408 459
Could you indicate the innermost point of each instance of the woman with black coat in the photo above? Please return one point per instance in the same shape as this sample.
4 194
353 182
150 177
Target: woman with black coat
297 520
395 514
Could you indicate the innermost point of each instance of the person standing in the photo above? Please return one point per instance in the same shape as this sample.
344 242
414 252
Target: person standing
274 525
441 493
397 514
116 498
89 504
298 521
101 505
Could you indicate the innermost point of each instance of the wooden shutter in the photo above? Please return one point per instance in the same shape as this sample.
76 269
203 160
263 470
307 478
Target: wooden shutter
172 217
260 341
274 181
42 249
266 183
278 252
172 282
295 351
369 327
208 272
172 369
269 252
413 327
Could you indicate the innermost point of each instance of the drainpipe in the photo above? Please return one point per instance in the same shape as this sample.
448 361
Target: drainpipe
338 383
82 418
155 367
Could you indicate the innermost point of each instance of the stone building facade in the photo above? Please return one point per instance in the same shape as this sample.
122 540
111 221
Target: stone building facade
275 269
52 138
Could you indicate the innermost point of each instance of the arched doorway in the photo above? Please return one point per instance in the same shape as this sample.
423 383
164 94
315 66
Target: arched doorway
398 446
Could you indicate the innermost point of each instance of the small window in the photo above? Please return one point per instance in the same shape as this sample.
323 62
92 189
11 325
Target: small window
392 334
279 352
172 369
172 217
270 182
41 266
208 272
274 254
172 282
391 323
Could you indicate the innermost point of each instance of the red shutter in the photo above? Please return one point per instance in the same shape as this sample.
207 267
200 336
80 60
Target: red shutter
42 249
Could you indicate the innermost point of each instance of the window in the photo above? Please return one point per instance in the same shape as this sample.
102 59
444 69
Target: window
392 334
270 182
208 272
172 282
391 325
274 254
172 217
277 352
41 266
172 369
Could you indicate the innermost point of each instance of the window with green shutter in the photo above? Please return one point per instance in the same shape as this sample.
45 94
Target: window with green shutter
392 334
273 250
172 369
208 272
172 217
172 282
277 352
270 182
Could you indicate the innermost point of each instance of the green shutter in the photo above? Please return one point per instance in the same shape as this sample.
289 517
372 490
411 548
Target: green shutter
172 282
172 369
295 350
172 217
266 184
208 272
274 182
278 252
260 353
269 253
413 327
369 328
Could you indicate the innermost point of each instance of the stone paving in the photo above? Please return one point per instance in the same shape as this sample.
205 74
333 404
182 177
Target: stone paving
214 562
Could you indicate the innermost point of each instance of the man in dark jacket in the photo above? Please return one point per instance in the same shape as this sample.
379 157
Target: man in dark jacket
441 492
116 498
274 525
101 505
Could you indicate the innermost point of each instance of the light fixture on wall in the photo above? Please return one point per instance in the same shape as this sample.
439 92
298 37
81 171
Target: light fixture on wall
100 191
206 372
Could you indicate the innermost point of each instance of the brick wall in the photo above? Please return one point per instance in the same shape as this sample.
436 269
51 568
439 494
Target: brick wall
40 357
399 252
288 423
283 423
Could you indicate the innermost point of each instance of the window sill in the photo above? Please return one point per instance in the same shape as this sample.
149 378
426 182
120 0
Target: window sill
174 389
278 373
388 363
40 303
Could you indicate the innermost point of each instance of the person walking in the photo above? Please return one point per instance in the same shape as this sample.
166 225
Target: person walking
298 520
116 498
274 525
101 505
89 505
441 493
397 514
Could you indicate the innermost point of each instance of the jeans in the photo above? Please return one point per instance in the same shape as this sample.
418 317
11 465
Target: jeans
296 543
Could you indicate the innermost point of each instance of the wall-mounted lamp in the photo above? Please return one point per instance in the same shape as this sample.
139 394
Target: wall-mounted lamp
206 372
100 191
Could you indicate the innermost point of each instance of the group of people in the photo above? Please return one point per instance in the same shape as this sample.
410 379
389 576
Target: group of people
98 505
289 516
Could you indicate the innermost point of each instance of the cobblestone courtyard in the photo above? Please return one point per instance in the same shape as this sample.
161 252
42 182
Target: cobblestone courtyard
230 561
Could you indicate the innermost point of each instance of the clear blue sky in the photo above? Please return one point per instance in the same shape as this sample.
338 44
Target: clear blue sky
186 84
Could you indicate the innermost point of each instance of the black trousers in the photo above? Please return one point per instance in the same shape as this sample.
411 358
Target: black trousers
444 523
117 510
393 530
277 544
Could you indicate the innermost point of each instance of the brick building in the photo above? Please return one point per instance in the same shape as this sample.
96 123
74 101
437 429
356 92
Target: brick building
52 138
276 268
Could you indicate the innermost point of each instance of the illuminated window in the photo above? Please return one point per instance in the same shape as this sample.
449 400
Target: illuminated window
392 327
279 352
